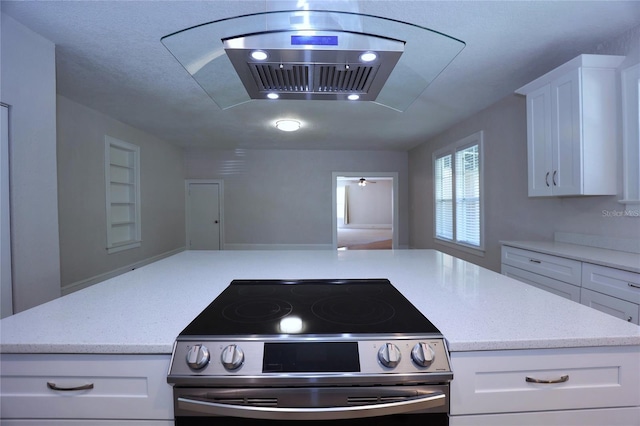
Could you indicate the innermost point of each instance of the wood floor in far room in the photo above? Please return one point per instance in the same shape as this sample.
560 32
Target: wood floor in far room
364 239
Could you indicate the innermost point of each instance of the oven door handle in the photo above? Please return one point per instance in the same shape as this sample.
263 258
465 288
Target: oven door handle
435 399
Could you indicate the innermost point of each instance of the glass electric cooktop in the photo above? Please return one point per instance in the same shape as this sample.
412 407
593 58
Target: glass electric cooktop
310 307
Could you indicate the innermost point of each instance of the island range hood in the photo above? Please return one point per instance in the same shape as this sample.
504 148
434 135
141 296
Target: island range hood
312 55
320 65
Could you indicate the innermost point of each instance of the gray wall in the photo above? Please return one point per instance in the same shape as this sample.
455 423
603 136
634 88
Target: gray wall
283 197
83 257
371 205
509 213
28 85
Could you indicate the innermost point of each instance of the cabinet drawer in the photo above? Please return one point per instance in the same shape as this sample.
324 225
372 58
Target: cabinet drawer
558 268
611 305
608 416
614 282
118 387
568 291
495 381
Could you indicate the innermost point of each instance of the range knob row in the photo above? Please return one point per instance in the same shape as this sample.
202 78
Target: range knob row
198 357
422 354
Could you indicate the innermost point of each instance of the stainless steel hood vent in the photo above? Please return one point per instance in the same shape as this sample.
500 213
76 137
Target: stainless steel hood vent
312 55
317 65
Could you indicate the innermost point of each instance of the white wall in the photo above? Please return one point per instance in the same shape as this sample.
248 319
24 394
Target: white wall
283 197
509 213
28 85
83 257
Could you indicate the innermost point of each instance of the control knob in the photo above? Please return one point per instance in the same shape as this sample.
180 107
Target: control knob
422 354
232 357
198 357
389 355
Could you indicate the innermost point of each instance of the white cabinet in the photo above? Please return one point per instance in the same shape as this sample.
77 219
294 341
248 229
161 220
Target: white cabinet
551 273
91 389
572 128
540 386
611 290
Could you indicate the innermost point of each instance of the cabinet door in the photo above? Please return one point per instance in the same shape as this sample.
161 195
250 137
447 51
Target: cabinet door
539 141
610 305
566 174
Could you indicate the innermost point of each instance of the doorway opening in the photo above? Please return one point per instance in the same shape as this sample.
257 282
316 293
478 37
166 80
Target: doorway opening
365 210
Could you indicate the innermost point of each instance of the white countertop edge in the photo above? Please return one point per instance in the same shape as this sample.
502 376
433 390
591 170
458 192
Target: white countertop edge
598 256
543 344
455 347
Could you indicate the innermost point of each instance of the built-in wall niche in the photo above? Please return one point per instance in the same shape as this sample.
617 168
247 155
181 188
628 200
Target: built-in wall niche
122 179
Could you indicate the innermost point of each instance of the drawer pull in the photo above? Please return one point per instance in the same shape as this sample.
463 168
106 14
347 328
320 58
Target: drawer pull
633 285
535 261
562 379
54 387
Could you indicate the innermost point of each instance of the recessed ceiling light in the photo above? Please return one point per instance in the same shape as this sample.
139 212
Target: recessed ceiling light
259 55
288 125
273 95
353 97
368 56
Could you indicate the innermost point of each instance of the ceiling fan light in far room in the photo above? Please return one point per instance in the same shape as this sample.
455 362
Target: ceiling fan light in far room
288 125
362 182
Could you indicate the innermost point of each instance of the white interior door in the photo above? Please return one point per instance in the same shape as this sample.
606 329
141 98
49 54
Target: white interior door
204 218
6 299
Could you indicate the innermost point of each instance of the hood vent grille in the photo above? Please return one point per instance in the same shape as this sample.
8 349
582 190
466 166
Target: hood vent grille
325 78
330 71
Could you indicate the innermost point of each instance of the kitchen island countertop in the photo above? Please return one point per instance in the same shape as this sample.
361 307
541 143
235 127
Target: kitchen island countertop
142 311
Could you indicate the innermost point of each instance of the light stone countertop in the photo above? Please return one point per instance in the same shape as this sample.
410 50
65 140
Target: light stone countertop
142 311
599 256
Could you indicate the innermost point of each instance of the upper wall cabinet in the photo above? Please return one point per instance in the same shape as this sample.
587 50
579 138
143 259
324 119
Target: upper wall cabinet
572 128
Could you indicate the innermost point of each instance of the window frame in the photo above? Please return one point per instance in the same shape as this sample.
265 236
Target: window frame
115 244
451 149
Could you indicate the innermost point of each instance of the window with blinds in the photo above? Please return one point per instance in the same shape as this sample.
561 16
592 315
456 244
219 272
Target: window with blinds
458 190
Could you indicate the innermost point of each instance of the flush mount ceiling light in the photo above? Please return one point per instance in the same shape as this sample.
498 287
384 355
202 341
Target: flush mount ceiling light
288 125
313 55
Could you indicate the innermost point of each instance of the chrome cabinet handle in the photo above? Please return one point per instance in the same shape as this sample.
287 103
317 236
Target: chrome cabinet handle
630 319
322 413
633 285
546 179
555 172
55 387
562 379
535 261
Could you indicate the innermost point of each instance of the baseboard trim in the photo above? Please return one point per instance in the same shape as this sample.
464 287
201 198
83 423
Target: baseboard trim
79 285
228 246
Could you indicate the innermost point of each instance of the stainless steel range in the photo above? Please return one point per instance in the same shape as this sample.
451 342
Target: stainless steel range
345 351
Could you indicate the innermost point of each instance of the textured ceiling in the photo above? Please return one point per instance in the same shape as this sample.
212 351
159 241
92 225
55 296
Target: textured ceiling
110 58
